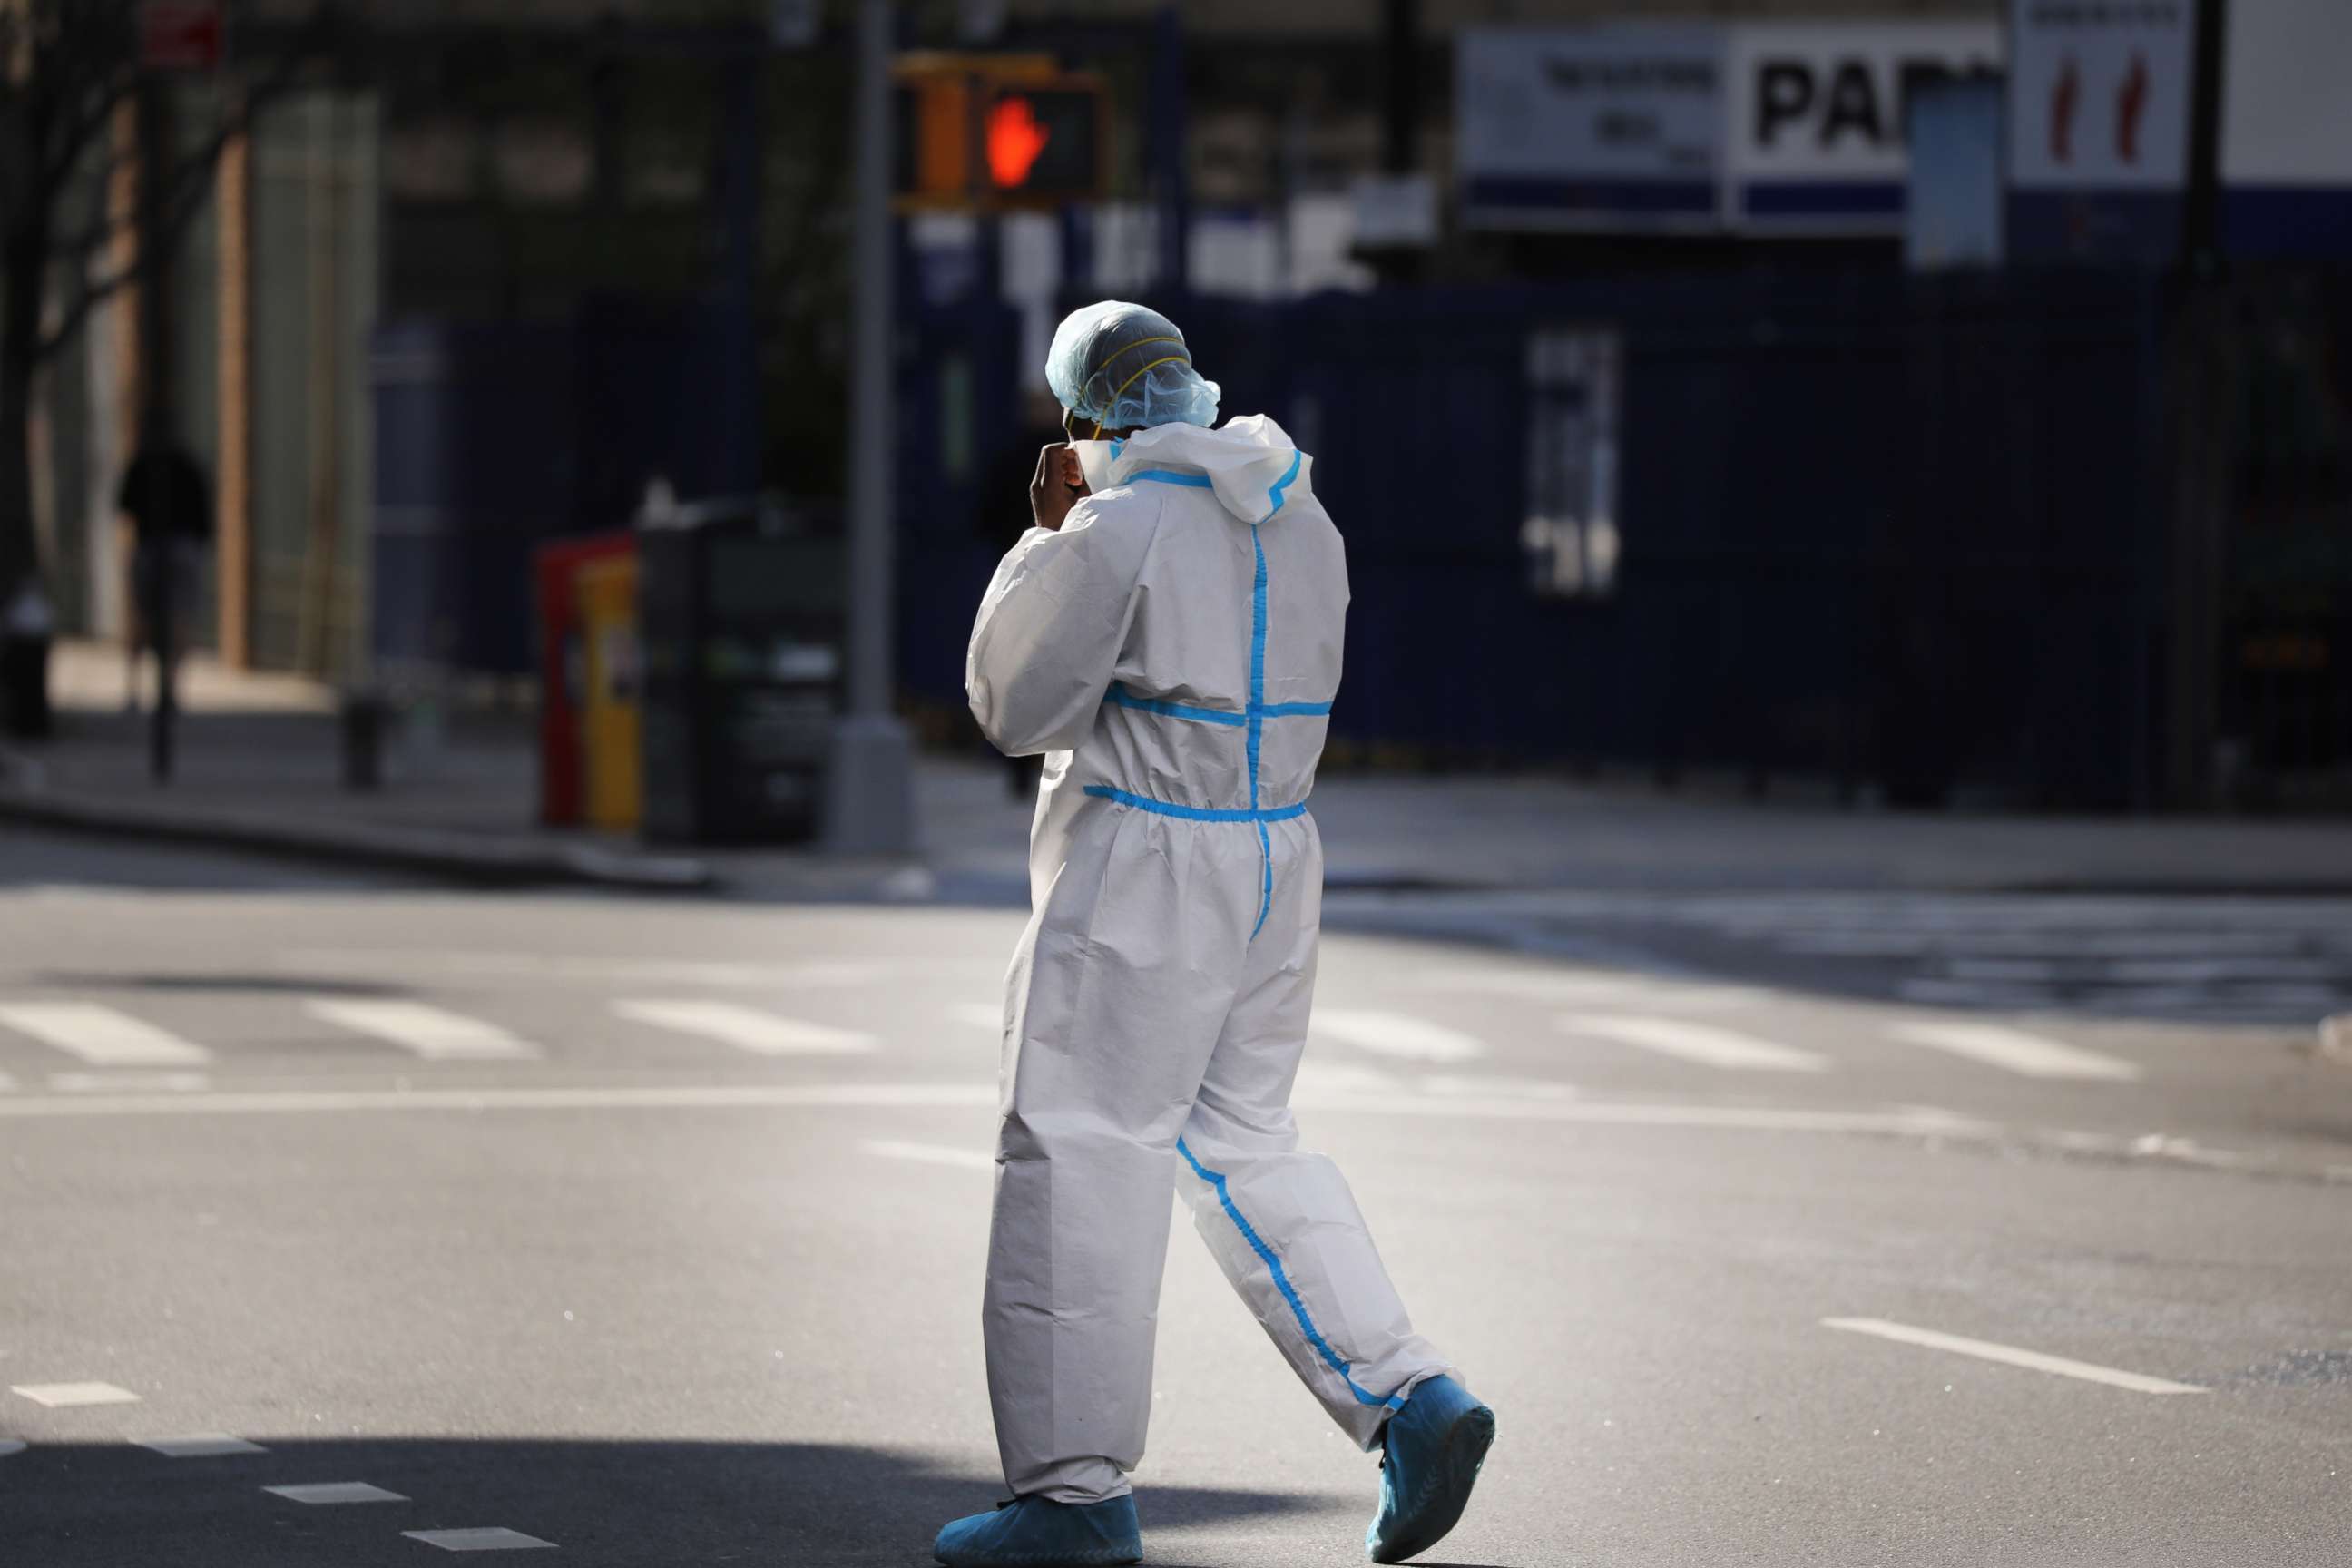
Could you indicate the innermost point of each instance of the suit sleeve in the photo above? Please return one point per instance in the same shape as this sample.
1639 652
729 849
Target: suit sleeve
1052 624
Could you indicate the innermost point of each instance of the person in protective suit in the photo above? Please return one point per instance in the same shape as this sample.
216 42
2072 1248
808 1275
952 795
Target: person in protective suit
1169 635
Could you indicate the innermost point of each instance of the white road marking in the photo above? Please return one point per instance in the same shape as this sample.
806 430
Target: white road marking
492 1540
2014 1050
431 1032
7 1084
1914 1121
749 1029
1319 1077
677 1097
200 1446
1705 1044
613 970
324 1493
2008 1355
100 1036
1396 1035
987 1016
1543 1088
1618 990
129 1082
930 1155
57 1396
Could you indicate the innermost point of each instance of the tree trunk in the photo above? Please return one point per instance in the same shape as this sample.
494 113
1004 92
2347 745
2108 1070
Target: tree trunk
20 325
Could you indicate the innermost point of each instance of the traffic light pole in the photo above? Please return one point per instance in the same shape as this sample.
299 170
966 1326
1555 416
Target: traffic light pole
869 804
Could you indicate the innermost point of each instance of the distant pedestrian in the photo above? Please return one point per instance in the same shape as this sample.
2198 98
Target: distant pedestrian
168 501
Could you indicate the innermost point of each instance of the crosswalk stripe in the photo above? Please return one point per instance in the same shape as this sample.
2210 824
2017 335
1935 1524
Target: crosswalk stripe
1590 990
747 1028
1705 1044
1396 1035
64 1395
100 1036
980 1015
430 1032
2014 1050
200 1446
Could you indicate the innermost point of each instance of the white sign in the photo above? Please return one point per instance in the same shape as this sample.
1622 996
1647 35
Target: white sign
1615 127
2286 99
2098 94
1819 102
1952 206
1396 210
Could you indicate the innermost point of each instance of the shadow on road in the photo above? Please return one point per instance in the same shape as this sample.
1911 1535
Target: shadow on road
618 1504
231 984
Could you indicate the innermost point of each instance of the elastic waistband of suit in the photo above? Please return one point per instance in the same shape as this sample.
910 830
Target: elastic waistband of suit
1197 812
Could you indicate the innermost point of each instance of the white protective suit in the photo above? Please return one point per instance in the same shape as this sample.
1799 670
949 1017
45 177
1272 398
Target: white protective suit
1175 649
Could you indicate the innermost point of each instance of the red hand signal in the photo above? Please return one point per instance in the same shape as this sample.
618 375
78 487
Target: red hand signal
1015 139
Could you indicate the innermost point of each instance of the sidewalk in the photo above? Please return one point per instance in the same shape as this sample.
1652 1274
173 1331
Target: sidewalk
257 770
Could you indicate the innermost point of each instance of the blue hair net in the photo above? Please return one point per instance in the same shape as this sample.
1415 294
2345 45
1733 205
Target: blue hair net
1126 366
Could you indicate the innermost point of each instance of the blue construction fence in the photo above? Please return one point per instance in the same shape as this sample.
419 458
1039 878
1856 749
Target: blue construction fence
1908 533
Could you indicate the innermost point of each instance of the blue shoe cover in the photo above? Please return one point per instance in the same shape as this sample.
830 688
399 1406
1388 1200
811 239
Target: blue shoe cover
1033 1532
1436 1445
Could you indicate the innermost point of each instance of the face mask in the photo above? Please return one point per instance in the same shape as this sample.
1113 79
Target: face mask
1094 462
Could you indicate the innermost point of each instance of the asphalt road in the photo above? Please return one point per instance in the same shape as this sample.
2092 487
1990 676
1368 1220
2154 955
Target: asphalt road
652 1230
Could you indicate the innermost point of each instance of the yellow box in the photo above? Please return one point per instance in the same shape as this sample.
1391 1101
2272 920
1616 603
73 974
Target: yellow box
612 713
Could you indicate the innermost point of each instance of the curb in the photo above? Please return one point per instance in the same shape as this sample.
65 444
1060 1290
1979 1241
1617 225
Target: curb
478 859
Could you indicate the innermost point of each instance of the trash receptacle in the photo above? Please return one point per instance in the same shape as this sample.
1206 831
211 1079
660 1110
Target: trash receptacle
610 752
740 609
562 667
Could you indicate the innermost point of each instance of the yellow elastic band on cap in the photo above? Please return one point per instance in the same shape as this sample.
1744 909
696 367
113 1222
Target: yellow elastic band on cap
1135 344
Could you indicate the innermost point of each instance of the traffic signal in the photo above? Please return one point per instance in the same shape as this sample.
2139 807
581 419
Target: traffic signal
996 131
1044 143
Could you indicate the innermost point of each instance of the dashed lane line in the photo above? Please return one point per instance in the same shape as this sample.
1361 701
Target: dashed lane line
1397 1034
2014 1050
751 1029
129 1082
61 1395
1707 1045
2008 1355
930 1155
100 1036
432 1033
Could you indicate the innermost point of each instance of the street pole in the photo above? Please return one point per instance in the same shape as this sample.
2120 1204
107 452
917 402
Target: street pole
157 434
870 806
1173 197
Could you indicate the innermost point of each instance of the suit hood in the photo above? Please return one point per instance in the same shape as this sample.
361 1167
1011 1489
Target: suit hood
1249 463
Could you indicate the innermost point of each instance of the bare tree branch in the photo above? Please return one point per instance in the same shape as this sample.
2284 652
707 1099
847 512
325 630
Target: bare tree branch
63 147
188 184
